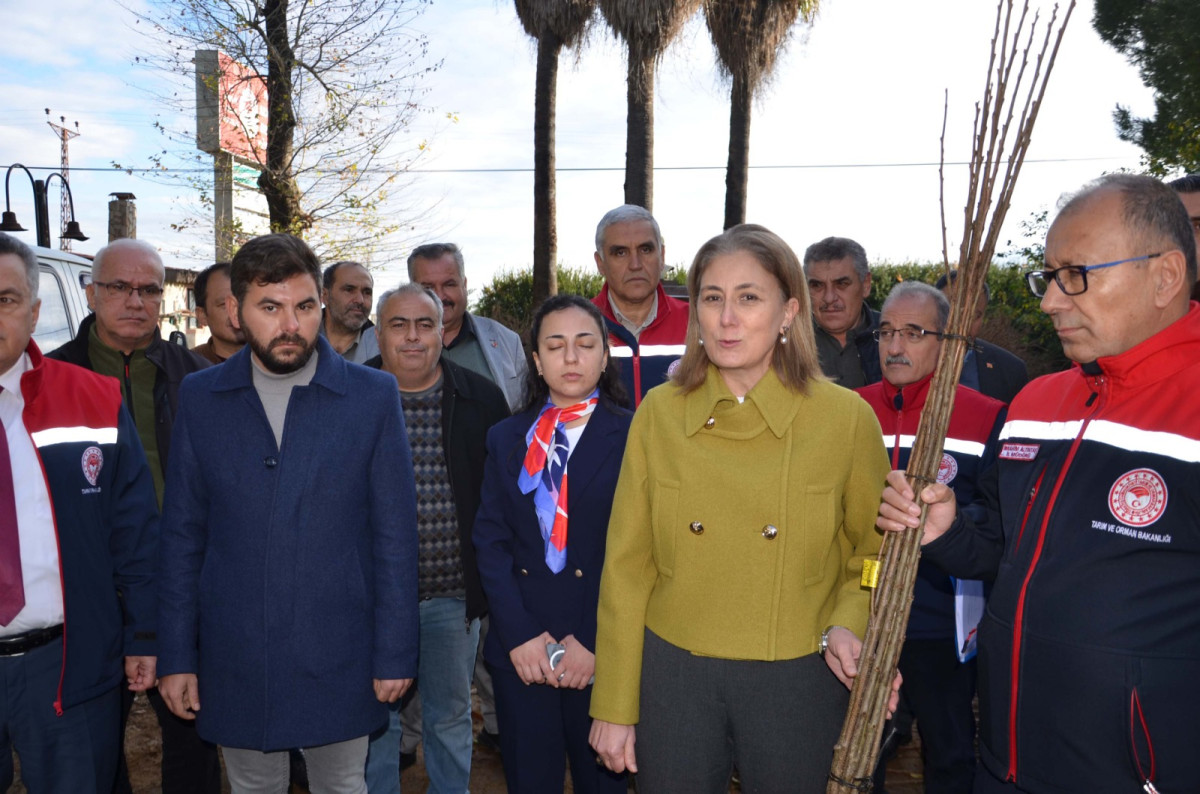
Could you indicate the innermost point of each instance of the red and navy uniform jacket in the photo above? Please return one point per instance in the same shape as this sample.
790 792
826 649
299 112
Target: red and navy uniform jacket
969 449
1089 650
645 361
105 520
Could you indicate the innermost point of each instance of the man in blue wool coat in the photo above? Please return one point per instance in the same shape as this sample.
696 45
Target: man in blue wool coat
288 609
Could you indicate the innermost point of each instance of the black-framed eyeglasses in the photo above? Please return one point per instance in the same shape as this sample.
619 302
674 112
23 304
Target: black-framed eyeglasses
909 333
1072 280
122 289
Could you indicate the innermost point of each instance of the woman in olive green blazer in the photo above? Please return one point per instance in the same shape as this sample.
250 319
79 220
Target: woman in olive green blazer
744 512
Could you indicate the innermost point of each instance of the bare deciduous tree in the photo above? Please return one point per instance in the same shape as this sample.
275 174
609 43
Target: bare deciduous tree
343 79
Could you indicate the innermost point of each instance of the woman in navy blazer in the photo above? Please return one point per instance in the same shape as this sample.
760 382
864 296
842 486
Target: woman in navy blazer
541 590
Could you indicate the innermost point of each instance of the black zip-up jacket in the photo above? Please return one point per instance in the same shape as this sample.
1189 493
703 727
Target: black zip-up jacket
471 404
173 362
1089 651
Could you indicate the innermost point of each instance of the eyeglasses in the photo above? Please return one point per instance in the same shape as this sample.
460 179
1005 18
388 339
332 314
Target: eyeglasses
120 289
911 334
1072 280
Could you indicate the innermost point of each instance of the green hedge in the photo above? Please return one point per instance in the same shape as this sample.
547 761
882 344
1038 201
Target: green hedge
1014 320
509 298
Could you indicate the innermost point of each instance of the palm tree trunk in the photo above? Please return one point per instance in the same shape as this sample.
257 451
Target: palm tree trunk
737 171
276 181
545 233
639 133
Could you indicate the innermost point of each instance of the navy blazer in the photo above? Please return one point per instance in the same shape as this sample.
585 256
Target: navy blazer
524 596
288 575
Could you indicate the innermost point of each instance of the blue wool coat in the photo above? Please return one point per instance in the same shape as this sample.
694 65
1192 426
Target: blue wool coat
288 576
524 597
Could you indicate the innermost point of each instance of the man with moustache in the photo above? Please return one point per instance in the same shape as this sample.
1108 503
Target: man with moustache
480 344
346 290
938 657
1090 644
121 339
212 291
647 328
487 348
448 410
287 608
839 279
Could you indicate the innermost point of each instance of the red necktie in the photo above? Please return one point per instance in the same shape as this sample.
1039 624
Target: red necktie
12 585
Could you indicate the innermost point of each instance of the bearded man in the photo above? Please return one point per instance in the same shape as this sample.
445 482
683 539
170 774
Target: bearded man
289 546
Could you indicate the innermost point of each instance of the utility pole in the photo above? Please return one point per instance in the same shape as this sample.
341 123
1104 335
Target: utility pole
64 135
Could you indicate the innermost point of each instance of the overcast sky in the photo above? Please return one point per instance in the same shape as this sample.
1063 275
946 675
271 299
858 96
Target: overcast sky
844 138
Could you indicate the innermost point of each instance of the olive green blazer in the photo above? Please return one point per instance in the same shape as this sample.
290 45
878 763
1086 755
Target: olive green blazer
738 530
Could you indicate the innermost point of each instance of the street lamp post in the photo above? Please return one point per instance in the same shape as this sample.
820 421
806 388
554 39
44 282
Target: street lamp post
41 209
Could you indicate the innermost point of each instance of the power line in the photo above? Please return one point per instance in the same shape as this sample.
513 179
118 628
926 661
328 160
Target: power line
589 169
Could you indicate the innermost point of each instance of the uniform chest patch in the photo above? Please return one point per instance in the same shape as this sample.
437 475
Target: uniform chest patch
1019 451
947 469
1138 498
93 462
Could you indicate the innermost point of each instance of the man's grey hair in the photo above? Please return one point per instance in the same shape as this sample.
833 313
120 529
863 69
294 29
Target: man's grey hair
625 213
832 248
125 244
11 245
919 289
1154 216
411 288
433 251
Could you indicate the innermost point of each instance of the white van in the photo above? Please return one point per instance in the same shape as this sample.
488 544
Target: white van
64 302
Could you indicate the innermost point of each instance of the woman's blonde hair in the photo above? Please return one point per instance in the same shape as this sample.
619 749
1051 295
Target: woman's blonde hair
795 362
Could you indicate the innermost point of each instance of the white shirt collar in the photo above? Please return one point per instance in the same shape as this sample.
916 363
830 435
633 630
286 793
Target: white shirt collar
636 330
11 380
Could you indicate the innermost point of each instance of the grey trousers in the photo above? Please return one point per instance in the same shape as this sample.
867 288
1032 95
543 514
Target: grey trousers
336 768
777 721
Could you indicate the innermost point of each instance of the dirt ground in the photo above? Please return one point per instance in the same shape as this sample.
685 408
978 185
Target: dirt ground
142 744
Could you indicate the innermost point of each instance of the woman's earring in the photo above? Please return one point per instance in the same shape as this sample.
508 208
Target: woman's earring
701 343
783 337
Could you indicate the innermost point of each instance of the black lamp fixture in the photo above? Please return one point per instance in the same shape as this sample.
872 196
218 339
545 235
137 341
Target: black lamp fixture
73 231
8 222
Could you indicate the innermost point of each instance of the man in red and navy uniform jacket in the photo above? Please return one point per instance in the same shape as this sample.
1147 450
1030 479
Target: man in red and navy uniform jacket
647 328
71 649
1089 650
107 531
938 687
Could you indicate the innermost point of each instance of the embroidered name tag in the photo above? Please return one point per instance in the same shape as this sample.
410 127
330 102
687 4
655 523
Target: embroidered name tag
1019 451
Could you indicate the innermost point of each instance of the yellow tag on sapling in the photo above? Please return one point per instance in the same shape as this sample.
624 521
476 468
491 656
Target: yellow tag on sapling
870 573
